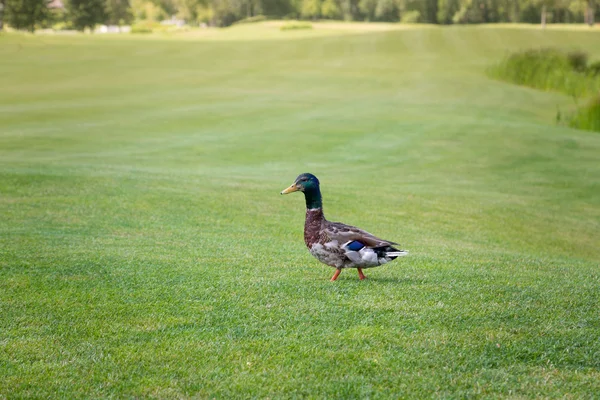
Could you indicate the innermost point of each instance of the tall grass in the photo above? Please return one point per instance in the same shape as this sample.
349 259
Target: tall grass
554 70
587 117
549 69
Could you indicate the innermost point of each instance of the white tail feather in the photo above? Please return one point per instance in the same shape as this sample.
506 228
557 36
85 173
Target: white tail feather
396 253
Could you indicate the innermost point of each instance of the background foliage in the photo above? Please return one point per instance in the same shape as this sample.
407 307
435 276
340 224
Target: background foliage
21 13
24 14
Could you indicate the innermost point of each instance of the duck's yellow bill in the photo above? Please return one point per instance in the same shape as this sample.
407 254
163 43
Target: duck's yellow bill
293 188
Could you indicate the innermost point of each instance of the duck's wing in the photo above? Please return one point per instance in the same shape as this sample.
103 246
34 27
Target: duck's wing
361 248
346 234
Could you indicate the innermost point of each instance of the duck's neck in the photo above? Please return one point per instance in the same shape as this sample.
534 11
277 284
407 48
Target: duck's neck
314 217
313 199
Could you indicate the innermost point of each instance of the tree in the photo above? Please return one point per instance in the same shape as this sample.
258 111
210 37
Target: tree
589 14
188 10
278 8
311 9
226 12
387 10
350 10
330 9
25 14
206 14
147 10
86 13
118 12
367 8
412 11
1 14
446 10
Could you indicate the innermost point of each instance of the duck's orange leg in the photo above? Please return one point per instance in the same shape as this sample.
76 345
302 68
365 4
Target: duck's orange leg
337 273
361 276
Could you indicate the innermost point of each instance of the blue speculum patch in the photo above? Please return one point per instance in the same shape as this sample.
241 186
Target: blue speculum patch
355 245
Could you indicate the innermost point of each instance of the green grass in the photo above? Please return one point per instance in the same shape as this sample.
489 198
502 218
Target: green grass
145 250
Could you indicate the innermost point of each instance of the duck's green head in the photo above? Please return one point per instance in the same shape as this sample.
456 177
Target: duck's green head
309 185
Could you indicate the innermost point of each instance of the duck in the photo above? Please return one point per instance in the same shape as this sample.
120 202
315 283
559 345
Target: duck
336 244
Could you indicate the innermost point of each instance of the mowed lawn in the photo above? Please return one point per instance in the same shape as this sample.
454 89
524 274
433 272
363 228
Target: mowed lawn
145 250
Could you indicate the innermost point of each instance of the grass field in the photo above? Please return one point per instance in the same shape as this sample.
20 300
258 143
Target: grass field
145 250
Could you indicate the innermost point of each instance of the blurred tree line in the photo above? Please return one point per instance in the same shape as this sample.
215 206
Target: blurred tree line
81 14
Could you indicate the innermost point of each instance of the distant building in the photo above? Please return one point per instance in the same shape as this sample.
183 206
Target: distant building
173 21
112 29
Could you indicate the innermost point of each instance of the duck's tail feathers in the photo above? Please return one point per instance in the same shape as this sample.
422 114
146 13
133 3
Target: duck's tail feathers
394 254
389 252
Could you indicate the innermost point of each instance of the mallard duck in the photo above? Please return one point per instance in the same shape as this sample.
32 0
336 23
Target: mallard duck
335 244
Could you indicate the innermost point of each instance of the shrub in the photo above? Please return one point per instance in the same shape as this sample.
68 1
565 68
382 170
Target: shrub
411 17
140 29
148 27
295 25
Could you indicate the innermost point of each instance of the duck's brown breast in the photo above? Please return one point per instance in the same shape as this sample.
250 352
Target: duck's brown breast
312 226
